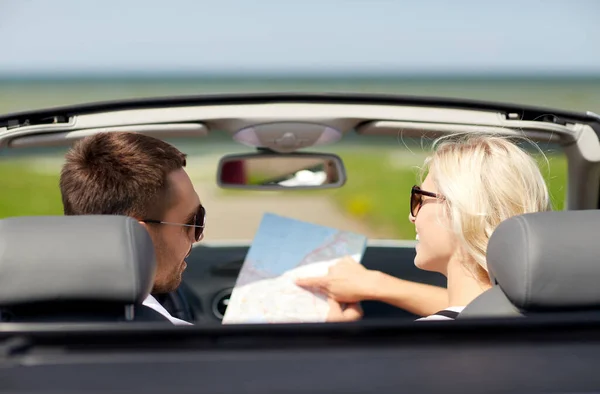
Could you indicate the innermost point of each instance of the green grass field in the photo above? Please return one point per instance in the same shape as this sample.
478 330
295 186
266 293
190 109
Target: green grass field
27 192
579 94
377 190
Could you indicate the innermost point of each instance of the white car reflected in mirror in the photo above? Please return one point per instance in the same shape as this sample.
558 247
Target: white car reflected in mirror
306 178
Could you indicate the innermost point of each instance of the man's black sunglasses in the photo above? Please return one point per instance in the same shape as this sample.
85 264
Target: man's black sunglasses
199 222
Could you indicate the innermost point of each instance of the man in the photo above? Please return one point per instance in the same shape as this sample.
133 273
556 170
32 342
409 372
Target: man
143 177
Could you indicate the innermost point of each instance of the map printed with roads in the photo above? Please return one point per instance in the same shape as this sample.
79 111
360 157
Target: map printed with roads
282 250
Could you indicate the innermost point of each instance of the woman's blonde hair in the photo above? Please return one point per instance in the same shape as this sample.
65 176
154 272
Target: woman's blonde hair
484 179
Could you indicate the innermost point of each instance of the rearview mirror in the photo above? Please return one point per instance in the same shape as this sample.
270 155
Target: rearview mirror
274 171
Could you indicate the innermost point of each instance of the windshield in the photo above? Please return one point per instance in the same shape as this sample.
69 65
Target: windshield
381 171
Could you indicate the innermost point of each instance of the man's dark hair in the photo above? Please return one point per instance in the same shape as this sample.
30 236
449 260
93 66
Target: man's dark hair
119 173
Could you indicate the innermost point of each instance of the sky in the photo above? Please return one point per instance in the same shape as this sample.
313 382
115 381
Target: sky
66 37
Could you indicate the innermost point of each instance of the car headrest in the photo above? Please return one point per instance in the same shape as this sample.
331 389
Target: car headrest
74 258
548 260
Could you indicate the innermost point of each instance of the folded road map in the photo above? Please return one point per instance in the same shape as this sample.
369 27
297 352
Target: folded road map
282 250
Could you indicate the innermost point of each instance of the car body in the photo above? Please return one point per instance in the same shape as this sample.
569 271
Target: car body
385 351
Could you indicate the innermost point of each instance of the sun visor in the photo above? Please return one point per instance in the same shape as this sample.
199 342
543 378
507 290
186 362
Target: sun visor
67 138
555 134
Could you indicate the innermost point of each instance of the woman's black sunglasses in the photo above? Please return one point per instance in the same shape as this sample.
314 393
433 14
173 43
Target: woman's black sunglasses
199 222
416 199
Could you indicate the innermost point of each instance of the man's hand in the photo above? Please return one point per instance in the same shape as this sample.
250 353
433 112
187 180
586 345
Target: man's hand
338 314
347 281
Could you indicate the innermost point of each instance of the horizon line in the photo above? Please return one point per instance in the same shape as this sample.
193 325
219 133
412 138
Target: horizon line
261 75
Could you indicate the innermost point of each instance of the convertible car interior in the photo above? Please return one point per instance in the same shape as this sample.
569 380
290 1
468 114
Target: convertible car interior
539 263
286 127
547 272
71 288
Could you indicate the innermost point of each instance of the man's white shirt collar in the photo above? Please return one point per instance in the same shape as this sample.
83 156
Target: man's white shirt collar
151 302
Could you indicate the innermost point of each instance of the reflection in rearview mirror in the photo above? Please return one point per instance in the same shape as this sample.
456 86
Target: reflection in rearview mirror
281 171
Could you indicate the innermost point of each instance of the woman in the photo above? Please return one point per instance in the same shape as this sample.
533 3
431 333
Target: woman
472 184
